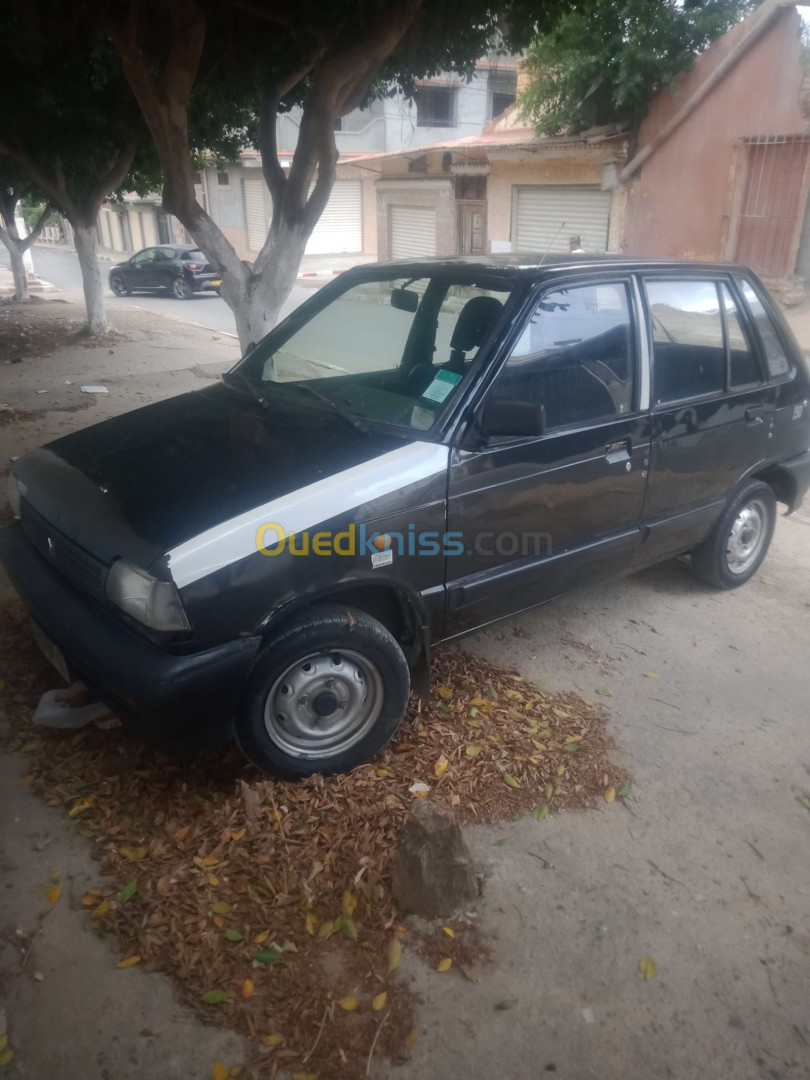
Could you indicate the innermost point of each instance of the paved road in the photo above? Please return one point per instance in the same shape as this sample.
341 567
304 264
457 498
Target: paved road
61 268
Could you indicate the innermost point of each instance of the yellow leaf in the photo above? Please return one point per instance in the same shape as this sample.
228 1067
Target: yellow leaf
441 766
311 923
445 692
6 1057
472 751
651 675
181 834
238 834
478 702
132 854
261 938
305 1076
221 908
220 1072
539 745
80 807
54 893
411 1039
209 860
218 921
101 910
400 930
548 790
515 695
448 931
272 1040
510 780
394 954
213 880
445 964
348 903
326 928
560 770
247 989
349 1003
647 967
610 794
378 1002
383 773
130 962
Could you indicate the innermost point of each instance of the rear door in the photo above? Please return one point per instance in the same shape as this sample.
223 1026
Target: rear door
540 515
712 408
142 270
165 267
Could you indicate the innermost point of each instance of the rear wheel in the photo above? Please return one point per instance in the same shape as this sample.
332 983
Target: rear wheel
181 289
736 547
119 286
326 694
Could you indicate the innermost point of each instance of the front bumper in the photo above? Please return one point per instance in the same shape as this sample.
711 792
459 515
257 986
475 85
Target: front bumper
177 701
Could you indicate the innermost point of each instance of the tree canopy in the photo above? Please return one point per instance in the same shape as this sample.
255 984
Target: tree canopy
602 61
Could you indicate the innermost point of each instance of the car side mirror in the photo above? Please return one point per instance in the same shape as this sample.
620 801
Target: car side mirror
511 419
403 300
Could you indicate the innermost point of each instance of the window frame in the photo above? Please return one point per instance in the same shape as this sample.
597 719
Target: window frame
451 91
639 360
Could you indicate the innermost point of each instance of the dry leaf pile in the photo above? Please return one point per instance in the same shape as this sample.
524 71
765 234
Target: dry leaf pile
269 903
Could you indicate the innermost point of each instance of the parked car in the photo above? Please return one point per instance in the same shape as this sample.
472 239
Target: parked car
180 268
418 450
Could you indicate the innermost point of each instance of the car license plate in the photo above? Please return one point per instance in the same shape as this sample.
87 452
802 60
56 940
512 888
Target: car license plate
51 652
215 284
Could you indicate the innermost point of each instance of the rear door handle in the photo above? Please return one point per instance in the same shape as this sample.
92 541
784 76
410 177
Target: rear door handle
618 451
755 414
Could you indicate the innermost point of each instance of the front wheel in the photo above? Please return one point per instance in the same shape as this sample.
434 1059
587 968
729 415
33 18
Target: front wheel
326 694
119 286
734 550
181 289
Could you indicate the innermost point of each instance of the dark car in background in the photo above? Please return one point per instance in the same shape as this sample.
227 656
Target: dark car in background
180 268
418 450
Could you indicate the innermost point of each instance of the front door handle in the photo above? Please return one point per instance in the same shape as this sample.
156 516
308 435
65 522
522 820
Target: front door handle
618 451
755 414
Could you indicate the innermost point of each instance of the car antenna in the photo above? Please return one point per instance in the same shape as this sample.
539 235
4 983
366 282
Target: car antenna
551 244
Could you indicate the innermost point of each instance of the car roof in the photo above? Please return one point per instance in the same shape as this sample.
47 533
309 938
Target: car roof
530 264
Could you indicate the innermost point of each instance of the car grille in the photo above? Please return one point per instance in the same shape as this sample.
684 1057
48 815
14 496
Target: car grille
79 567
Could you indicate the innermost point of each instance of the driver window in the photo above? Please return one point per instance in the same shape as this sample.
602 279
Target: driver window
575 356
143 257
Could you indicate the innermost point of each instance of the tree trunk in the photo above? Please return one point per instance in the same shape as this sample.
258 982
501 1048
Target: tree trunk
17 268
84 236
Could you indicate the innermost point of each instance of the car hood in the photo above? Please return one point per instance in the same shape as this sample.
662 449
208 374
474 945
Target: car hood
144 482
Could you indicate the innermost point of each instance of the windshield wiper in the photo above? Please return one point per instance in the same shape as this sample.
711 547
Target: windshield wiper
230 377
344 414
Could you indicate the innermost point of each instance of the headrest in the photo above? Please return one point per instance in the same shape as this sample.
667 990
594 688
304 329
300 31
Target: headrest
475 321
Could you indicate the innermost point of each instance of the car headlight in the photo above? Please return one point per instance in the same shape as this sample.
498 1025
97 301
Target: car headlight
15 490
152 602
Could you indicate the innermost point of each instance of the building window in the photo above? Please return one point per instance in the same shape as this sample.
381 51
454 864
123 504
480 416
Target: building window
502 89
501 102
223 179
436 106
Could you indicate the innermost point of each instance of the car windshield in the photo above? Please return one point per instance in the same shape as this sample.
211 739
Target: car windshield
391 351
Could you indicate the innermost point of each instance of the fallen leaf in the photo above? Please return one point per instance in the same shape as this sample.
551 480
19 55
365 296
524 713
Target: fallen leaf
54 893
213 880
220 1072
610 794
247 989
541 813
441 766
91 897
272 1040
209 860
348 903
181 834
132 854
130 962
349 1003
623 790
267 956
101 910
651 675
383 773
237 835
572 747
445 691
311 923
218 921
378 1001
221 908
81 807
473 751
261 938
492 694
647 967
411 1039
314 1076
6 1056
510 781
560 772
326 929
215 997
445 964
129 891
394 954
449 931
605 691
478 701
29 746
233 935
548 790
348 928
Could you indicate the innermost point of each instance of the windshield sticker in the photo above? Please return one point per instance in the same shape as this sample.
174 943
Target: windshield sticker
441 386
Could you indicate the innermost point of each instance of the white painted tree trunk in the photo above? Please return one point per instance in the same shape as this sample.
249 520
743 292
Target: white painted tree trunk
84 238
19 274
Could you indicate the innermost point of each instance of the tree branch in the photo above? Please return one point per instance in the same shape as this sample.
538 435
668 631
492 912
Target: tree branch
34 235
114 176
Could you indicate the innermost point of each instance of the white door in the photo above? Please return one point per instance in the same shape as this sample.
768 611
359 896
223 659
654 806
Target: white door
255 220
412 232
340 227
545 217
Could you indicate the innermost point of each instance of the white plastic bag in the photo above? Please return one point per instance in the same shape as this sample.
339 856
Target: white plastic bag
54 712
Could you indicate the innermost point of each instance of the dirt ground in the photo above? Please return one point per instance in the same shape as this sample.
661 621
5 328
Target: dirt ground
705 867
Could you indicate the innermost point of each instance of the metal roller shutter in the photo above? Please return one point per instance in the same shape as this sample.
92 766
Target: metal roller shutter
413 232
546 217
255 220
340 226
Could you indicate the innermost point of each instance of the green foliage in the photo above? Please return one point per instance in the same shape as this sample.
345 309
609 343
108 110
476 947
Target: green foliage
603 60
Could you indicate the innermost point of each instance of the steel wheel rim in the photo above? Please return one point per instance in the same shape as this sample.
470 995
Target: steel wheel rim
324 704
747 537
118 286
181 288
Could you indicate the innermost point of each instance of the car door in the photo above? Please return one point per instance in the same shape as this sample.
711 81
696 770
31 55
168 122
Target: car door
164 268
712 408
141 270
542 514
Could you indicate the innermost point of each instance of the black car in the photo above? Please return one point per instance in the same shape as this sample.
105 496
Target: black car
180 268
418 450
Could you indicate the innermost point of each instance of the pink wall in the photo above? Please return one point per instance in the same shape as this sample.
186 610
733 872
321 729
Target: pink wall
680 196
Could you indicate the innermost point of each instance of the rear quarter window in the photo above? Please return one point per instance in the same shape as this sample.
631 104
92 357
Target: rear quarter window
777 359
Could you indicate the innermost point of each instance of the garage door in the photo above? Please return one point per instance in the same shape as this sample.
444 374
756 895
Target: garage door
255 219
340 228
545 218
413 232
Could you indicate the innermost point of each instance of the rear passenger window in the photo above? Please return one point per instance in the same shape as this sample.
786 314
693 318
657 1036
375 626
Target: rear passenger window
689 355
775 355
743 366
575 356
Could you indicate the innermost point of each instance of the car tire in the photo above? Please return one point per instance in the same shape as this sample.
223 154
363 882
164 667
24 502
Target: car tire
118 285
326 694
181 289
734 550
